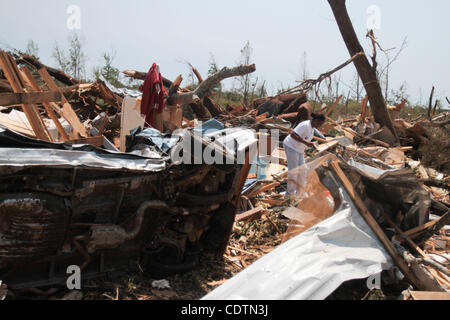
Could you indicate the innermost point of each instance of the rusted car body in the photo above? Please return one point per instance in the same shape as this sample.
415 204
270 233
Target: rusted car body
64 205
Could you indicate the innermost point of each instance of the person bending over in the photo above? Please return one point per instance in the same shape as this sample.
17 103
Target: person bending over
294 146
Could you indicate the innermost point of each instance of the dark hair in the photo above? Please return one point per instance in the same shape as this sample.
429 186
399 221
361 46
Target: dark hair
318 116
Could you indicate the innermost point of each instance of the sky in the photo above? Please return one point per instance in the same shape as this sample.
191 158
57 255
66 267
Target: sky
280 33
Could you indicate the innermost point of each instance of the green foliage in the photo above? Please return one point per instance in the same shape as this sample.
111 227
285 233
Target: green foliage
213 69
110 73
32 49
398 95
73 61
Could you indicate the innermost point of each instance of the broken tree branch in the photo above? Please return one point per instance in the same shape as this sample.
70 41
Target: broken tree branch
204 88
138 75
308 84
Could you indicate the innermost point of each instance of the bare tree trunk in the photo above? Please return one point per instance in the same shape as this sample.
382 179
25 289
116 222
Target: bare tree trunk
365 70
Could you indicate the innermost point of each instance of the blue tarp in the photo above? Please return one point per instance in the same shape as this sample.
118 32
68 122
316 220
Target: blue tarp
209 126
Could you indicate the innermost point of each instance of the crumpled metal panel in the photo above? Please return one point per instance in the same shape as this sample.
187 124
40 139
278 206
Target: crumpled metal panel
313 264
18 157
35 152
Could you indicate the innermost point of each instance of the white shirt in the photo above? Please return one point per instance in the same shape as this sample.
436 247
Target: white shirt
305 131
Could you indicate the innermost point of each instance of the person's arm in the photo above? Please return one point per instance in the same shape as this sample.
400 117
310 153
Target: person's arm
301 140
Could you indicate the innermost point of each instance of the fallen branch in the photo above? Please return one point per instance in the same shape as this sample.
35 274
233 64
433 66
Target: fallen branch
138 75
204 88
306 85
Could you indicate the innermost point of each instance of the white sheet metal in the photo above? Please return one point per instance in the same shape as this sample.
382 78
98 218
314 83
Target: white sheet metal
313 264
16 157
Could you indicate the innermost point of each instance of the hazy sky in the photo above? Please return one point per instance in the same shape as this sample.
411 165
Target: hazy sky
170 32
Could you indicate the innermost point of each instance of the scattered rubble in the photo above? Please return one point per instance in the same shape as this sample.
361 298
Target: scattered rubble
101 190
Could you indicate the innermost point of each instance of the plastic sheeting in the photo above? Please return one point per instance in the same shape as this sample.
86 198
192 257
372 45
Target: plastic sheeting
314 263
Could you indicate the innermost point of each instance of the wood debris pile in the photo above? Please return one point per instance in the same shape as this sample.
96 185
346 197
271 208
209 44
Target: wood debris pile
59 109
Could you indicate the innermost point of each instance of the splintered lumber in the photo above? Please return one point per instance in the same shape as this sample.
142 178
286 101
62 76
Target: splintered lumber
95 141
243 177
441 221
272 202
175 85
252 214
334 105
364 108
67 110
57 74
408 239
404 148
241 250
362 209
51 113
13 75
4 86
429 295
9 99
354 133
367 73
264 188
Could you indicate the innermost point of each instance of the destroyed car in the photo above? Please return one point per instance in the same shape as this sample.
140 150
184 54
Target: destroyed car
63 204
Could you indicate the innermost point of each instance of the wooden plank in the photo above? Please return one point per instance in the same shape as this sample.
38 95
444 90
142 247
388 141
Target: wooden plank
362 209
404 148
364 108
95 141
272 202
429 295
252 214
412 244
33 84
264 188
333 106
354 133
242 178
67 110
17 84
9 99
414 231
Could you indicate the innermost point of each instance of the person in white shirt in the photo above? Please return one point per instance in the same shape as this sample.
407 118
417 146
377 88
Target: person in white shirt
294 146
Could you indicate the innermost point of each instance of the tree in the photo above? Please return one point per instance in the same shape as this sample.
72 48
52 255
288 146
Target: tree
214 68
366 71
304 75
245 81
399 94
74 61
110 73
32 49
